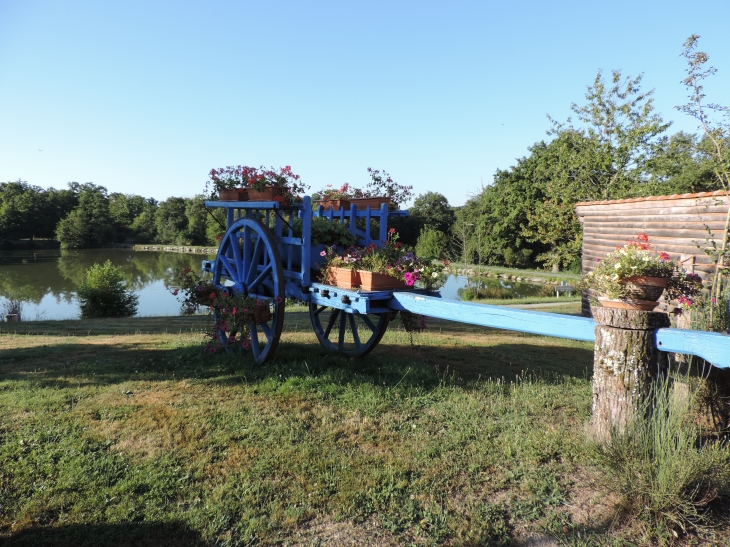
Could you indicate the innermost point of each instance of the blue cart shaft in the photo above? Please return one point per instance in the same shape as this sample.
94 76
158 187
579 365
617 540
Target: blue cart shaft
711 346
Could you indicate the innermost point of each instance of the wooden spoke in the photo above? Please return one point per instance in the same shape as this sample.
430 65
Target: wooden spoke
356 334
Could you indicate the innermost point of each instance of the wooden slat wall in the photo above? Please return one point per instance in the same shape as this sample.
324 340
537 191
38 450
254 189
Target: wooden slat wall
676 225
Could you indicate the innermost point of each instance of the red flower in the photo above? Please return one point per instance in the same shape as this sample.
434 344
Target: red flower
391 231
664 256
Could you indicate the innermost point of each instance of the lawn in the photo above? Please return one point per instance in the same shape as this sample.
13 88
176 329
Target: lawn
122 432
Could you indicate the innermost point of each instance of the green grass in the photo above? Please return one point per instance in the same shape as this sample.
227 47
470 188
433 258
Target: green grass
121 432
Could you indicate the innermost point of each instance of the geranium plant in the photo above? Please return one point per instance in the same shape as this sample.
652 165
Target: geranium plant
229 178
192 291
382 184
243 176
614 274
400 262
346 191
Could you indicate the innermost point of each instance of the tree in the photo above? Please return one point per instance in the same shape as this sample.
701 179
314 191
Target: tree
22 208
432 210
715 123
432 244
89 224
604 156
171 221
103 294
681 164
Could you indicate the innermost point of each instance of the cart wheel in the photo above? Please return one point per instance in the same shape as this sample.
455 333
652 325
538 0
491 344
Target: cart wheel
351 334
248 262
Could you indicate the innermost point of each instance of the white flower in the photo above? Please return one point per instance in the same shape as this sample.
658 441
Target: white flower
617 265
434 274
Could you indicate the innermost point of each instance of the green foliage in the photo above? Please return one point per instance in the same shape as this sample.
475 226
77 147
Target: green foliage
103 294
664 470
432 244
90 223
432 210
324 232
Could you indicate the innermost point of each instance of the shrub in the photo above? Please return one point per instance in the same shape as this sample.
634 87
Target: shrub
103 293
663 468
432 244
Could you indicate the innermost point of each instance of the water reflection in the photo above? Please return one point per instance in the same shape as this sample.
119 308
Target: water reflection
456 287
46 281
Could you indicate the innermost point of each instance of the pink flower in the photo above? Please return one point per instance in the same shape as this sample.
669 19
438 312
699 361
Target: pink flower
279 299
234 311
323 253
245 344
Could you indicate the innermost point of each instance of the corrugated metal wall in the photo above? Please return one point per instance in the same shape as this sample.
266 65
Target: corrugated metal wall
675 224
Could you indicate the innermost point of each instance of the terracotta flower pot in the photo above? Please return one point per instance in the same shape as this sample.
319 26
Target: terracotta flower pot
373 203
371 281
627 304
343 277
267 194
334 204
644 288
234 194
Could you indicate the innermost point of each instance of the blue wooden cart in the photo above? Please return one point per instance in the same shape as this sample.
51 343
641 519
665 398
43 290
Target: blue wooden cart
262 255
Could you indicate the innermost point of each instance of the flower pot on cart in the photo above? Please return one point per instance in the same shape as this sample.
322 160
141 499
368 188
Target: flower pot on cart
234 194
373 203
372 281
267 194
334 204
344 278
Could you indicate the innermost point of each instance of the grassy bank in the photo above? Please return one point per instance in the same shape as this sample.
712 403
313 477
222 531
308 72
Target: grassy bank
121 432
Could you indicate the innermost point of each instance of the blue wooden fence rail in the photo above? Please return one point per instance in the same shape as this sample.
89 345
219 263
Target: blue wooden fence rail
711 346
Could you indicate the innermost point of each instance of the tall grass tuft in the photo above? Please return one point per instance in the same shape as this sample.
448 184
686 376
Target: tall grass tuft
666 472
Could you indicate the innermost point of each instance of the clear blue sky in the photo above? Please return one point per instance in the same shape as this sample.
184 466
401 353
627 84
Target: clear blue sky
147 97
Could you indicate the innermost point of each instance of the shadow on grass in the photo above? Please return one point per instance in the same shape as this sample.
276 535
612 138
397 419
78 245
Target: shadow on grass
153 534
425 367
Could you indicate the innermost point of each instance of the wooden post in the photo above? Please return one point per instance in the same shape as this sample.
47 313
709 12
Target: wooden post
625 363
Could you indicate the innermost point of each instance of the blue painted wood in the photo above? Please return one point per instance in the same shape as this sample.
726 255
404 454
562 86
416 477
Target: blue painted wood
498 317
711 346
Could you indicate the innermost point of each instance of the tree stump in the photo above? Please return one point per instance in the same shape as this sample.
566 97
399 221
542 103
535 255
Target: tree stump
625 363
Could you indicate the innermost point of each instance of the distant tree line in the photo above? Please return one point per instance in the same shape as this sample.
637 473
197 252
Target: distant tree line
88 216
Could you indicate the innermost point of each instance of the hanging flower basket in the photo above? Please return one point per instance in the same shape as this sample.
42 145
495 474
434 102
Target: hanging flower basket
261 314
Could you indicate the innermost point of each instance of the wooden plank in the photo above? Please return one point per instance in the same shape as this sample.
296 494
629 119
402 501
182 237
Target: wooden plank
611 244
654 232
652 211
634 222
652 205
498 317
711 346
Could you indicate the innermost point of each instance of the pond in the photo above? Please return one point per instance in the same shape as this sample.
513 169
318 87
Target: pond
45 281
490 287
